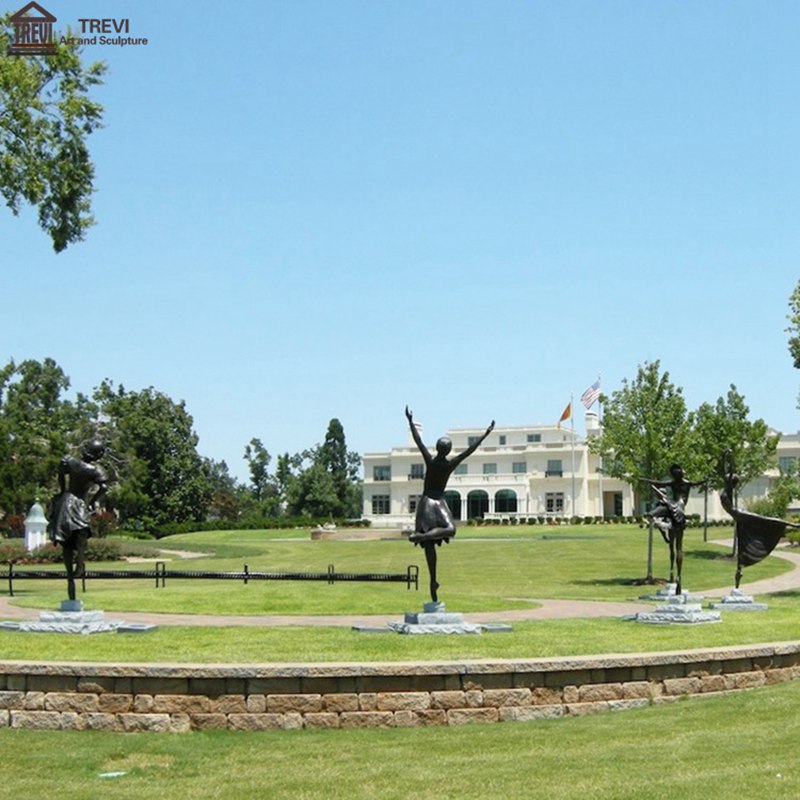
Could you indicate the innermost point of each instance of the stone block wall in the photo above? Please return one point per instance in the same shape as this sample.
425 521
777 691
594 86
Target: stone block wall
185 697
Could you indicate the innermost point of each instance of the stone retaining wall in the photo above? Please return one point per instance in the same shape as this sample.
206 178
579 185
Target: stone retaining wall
185 697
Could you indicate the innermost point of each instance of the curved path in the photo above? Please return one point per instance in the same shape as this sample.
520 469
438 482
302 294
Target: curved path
546 609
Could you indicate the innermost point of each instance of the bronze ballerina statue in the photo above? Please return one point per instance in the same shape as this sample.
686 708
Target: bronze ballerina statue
756 535
71 508
669 516
434 522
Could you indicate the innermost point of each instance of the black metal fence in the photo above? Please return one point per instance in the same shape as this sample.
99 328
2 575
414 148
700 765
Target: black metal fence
160 574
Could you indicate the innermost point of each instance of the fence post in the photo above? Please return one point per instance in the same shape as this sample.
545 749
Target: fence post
412 576
246 574
331 574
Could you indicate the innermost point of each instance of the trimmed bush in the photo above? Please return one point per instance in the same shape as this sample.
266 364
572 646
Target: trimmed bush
14 552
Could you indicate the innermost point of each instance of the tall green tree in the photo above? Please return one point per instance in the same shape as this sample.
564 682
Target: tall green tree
261 497
162 478
645 428
794 326
258 459
312 493
46 115
38 426
343 466
225 492
322 482
726 426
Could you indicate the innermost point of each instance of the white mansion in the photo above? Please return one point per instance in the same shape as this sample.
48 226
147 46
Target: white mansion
523 471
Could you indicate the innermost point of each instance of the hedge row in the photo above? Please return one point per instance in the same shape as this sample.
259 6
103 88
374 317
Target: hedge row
692 521
14 552
253 524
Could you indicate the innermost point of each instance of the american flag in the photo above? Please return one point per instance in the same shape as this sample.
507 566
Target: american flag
589 397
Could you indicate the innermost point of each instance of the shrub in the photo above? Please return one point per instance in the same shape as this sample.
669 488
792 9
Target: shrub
102 550
14 552
253 523
12 526
138 535
103 523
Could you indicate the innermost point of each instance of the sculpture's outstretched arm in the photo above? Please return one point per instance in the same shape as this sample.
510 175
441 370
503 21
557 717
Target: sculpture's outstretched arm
656 484
456 460
102 488
417 440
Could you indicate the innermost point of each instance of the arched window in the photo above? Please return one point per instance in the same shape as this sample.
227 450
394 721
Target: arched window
477 504
453 500
505 502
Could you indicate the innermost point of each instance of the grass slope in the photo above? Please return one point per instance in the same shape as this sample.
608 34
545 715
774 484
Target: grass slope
702 749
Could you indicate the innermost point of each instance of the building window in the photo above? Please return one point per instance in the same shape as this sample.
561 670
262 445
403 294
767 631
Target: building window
380 504
461 469
490 469
471 440
505 502
413 500
477 504
554 502
502 438
787 464
453 500
554 468
519 467
417 471
382 473
534 437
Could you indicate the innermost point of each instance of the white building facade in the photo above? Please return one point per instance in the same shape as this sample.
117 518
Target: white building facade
526 471
521 471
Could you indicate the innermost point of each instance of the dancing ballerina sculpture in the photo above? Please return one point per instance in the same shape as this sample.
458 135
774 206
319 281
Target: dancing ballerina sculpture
669 516
756 535
434 521
72 507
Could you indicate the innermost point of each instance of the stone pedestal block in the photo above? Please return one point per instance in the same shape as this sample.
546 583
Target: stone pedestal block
678 610
737 600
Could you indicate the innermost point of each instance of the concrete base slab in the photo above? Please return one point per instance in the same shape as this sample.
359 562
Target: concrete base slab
83 622
737 600
678 610
135 627
669 591
434 619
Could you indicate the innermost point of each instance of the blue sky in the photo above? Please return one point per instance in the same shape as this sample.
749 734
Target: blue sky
308 209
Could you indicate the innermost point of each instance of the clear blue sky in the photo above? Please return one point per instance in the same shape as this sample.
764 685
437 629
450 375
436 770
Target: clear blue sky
334 208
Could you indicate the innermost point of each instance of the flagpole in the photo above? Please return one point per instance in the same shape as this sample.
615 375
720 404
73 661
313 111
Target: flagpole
572 425
600 460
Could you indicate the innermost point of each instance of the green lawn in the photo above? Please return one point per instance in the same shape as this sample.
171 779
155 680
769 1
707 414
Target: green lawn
711 748
485 569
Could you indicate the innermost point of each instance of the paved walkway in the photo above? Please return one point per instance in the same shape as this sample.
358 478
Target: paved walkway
546 609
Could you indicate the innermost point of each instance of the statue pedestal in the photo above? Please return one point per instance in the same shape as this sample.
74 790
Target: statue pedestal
678 610
71 618
434 619
737 600
668 592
